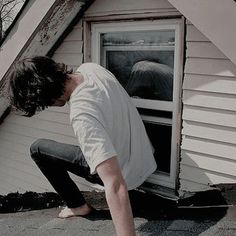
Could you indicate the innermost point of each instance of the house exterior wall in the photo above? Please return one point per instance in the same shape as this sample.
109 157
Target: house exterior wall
209 115
208 136
17 171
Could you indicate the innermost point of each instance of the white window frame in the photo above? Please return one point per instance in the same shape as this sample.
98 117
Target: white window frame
159 178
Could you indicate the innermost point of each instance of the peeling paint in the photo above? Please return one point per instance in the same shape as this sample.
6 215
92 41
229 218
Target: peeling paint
60 12
56 22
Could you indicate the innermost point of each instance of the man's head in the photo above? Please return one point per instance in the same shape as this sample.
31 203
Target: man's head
36 83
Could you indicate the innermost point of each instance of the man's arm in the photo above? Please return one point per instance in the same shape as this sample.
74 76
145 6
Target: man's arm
117 196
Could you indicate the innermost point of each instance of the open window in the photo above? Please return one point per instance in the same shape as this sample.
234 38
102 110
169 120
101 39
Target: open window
145 56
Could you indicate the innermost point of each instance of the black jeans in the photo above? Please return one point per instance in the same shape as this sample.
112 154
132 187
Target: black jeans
55 160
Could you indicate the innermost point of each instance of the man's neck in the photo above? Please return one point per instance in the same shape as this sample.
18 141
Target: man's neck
72 83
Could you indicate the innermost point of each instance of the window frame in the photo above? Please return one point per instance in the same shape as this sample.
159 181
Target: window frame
98 28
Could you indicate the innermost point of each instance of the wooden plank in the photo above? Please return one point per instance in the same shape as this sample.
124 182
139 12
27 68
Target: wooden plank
37 133
210 100
74 35
15 138
210 147
194 35
54 26
217 84
210 67
190 186
42 125
24 159
211 163
79 24
204 177
9 184
6 187
18 148
211 132
29 20
203 50
71 47
61 118
22 181
106 7
25 169
69 59
210 116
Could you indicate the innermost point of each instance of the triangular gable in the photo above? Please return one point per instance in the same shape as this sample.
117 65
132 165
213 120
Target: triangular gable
23 29
38 28
215 19
37 31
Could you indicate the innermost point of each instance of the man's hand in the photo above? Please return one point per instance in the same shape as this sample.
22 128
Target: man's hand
117 196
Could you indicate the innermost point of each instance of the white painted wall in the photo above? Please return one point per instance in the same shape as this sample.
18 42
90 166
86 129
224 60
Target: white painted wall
17 171
208 135
209 115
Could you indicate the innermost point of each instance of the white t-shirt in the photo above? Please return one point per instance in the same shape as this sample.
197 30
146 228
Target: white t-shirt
107 124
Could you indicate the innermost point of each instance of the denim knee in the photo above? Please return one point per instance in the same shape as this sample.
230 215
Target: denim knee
35 147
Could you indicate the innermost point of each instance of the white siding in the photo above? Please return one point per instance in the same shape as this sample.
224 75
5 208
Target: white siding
209 116
17 171
123 7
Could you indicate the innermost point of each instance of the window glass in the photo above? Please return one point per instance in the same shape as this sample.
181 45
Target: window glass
142 61
160 137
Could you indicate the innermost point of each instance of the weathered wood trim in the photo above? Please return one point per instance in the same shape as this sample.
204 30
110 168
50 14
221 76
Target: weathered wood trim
69 26
21 33
55 25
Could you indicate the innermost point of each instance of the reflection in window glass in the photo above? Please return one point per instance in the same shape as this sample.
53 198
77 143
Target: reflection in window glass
144 38
142 61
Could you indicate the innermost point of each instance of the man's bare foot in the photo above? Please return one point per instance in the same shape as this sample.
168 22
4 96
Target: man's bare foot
78 211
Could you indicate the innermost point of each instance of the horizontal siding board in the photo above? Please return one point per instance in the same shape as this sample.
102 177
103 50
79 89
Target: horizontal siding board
75 35
48 115
210 116
23 181
217 84
211 163
36 133
191 186
205 177
15 138
210 147
79 25
18 157
69 59
203 66
210 100
194 35
10 184
106 7
51 126
211 132
71 47
6 187
203 50
13 165
17 148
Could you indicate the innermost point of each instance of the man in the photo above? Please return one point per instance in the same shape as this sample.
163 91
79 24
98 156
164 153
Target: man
113 149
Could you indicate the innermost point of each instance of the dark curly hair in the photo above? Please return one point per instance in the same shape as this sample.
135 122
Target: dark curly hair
35 84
